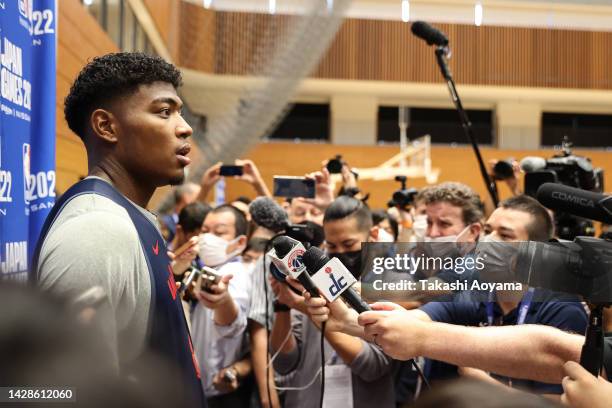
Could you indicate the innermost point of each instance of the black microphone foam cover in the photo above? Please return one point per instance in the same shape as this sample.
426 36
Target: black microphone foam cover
431 35
282 245
314 259
268 214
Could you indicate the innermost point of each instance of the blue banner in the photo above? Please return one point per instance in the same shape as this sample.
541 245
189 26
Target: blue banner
27 128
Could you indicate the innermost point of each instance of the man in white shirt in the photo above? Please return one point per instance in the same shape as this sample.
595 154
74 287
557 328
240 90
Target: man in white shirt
219 319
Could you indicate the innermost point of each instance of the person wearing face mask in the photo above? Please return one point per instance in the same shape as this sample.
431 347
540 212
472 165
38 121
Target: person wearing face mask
219 318
518 218
367 374
454 216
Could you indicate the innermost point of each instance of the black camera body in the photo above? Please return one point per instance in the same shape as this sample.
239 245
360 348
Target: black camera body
404 197
570 170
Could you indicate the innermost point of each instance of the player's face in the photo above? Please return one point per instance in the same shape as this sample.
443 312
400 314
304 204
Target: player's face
152 134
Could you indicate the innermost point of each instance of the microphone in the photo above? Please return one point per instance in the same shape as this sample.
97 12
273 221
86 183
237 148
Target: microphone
532 163
332 278
288 258
430 34
268 214
582 203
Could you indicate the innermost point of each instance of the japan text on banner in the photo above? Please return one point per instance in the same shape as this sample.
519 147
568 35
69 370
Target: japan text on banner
27 128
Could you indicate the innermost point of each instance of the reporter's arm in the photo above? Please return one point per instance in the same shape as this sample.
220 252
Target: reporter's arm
531 352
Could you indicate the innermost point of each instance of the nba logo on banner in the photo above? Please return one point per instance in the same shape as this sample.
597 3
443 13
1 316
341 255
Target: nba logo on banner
25 8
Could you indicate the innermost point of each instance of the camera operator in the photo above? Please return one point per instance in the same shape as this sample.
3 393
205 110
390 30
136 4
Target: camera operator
219 318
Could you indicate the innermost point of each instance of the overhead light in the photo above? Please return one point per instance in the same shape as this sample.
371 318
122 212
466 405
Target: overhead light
272 6
405 11
478 14
207 3
87 2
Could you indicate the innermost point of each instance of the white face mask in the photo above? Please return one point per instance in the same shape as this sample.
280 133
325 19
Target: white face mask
213 249
419 227
384 236
448 238
448 250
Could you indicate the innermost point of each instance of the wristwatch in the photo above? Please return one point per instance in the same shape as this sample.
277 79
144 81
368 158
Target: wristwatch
280 307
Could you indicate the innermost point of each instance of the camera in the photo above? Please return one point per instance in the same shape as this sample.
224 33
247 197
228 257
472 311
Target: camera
570 170
403 198
503 169
334 166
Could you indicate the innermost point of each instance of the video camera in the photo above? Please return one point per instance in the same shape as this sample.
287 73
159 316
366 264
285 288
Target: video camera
403 198
570 170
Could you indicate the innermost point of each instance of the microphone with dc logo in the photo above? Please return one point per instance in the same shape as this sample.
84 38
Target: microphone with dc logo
289 253
332 278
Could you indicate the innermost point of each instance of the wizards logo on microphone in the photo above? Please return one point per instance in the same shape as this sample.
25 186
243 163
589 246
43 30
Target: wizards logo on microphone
294 261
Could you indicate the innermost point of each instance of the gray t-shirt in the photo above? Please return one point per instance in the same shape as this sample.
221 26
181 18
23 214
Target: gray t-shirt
372 370
93 242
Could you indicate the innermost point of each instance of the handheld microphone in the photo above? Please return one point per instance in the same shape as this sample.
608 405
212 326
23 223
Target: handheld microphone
332 278
288 258
582 203
268 214
430 34
532 163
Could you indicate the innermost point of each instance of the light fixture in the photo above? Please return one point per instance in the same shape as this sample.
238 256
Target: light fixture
207 3
272 6
87 3
405 11
478 14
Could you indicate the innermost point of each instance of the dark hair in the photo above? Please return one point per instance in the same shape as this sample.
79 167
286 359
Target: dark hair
466 393
256 244
541 228
379 216
344 207
457 194
244 199
109 77
192 216
240 222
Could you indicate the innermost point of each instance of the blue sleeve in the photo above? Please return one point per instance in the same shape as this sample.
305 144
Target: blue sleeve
455 312
567 316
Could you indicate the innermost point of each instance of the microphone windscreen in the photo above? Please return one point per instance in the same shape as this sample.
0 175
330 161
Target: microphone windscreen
532 163
314 259
282 245
431 35
268 214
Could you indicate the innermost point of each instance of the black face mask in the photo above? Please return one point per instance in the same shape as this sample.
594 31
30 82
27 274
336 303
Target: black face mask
352 261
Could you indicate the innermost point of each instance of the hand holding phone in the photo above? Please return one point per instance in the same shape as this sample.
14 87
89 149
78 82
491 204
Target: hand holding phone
231 170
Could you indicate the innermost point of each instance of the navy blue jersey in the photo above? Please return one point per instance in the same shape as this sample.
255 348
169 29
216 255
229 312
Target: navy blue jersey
564 312
167 331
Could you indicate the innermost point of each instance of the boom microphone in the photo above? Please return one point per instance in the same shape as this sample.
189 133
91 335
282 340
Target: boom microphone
332 278
532 163
292 251
582 203
431 35
268 214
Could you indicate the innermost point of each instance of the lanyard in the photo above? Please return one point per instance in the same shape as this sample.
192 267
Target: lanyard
523 307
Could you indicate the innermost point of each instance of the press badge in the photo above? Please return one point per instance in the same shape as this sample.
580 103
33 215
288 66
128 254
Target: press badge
338 387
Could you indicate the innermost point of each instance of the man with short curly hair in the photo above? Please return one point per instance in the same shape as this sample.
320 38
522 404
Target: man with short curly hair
126 110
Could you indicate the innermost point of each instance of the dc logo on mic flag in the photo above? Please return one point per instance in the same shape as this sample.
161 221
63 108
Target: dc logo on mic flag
333 279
